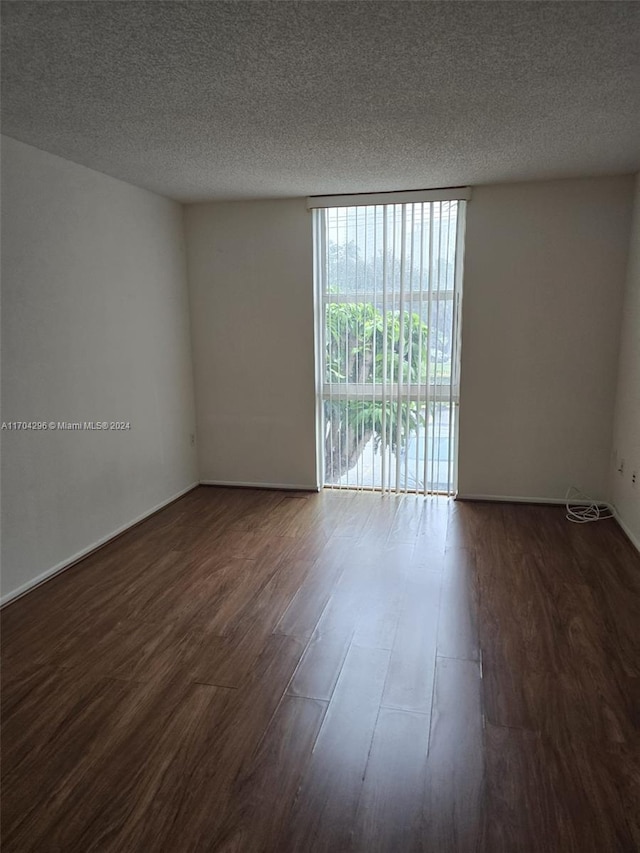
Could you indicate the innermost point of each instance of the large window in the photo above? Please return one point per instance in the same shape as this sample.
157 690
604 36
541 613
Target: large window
388 283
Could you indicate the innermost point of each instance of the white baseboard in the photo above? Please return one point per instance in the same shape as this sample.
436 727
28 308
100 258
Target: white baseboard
291 487
80 555
510 499
631 536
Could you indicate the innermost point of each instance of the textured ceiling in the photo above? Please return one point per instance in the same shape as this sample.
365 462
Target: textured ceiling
202 100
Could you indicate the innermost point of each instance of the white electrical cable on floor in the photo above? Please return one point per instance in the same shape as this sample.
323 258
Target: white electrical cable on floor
581 508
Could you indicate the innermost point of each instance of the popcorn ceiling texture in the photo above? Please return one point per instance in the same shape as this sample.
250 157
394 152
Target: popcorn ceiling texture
221 100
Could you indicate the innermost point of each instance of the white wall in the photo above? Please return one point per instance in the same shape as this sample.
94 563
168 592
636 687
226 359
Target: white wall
544 276
626 435
250 280
95 327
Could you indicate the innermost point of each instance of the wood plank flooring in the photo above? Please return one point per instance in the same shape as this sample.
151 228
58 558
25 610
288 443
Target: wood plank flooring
268 671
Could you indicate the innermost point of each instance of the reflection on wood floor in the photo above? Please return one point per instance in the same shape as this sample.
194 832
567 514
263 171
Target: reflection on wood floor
267 671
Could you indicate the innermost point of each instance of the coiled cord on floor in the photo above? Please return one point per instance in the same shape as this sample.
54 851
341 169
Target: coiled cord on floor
581 508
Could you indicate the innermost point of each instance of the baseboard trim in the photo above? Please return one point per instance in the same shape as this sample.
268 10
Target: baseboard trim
510 499
86 552
631 536
289 487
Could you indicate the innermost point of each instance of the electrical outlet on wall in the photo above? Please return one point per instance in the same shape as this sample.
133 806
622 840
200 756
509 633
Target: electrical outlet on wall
192 439
634 477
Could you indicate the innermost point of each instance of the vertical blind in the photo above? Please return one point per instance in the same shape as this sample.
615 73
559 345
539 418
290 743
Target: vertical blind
388 285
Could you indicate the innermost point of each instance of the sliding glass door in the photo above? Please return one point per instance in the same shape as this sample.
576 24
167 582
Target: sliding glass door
388 286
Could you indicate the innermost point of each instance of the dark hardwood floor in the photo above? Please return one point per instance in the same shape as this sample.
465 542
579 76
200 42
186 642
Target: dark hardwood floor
269 671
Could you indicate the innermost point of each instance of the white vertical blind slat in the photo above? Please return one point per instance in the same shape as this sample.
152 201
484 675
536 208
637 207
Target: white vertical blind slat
385 347
401 345
420 333
427 407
